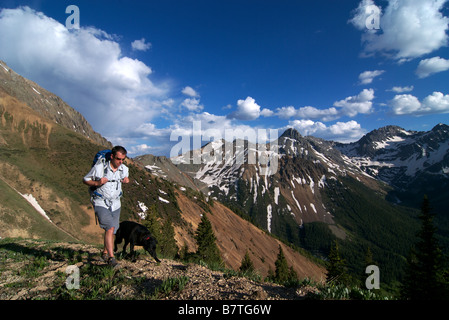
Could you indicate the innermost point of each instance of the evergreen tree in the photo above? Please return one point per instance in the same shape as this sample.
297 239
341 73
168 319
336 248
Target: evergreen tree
152 223
270 275
336 269
367 262
292 274
424 278
184 252
167 243
247 265
281 272
205 239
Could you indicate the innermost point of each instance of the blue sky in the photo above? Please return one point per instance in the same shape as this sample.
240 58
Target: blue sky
141 71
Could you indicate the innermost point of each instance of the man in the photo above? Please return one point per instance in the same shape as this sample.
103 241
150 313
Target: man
105 181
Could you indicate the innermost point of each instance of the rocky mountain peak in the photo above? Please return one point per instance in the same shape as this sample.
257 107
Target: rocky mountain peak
441 126
291 133
440 131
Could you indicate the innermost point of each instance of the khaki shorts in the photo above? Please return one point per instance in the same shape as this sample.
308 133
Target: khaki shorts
108 219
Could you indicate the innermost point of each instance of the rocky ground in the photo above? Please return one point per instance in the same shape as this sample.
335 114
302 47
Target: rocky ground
32 269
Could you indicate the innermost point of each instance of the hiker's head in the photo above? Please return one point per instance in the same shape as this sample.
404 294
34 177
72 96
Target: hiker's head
118 155
118 149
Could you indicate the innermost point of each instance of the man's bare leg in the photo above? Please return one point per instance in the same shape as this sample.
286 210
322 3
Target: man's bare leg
109 242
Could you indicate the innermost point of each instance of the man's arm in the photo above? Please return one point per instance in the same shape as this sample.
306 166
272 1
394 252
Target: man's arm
91 179
125 178
95 183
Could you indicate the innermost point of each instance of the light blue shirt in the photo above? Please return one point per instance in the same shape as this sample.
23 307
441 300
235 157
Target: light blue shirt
111 191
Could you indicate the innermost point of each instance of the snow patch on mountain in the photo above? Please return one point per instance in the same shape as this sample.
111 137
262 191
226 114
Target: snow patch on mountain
163 200
269 216
276 195
31 200
143 213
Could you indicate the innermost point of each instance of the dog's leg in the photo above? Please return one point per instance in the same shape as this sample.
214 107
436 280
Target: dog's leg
124 247
155 257
132 252
118 239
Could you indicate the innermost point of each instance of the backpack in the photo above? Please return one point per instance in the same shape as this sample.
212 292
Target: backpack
103 155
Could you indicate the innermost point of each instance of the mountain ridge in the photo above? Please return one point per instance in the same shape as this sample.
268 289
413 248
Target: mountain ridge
47 160
46 104
325 190
399 157
318 193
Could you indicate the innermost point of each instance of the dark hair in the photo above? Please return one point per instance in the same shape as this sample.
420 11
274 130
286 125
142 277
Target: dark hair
118 149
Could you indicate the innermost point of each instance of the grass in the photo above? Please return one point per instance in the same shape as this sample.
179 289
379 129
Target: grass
24 263
17 212
170 285
341 292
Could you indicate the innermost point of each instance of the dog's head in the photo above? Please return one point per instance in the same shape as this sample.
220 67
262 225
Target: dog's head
149 244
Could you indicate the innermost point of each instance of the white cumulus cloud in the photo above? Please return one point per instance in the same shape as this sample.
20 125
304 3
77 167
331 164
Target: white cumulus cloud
247 109
398 89
350 106
308 112
367 77
341 131
361 103
140 45
192 104
408 28
407 104
189 91
430 66
86 67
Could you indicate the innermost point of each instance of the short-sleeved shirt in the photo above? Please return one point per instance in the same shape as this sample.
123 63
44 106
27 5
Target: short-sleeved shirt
108 195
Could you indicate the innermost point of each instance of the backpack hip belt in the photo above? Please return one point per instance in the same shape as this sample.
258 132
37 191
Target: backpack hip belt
108 201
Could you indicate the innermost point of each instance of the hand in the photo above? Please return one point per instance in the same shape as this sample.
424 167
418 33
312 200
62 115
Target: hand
102 181
125 180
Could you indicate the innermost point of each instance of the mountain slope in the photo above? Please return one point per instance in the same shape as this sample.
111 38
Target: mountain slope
411 162
46 160
21 218
389 159
324 190
163 168
45 103
235 237
290 195
42 159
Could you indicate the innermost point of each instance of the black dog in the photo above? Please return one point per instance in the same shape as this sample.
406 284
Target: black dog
136 235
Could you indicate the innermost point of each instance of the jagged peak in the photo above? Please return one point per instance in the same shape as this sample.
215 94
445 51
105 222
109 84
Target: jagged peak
440 126
383 133
291 133
390 129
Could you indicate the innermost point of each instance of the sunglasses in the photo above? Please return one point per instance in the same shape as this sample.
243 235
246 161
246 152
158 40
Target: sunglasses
120 159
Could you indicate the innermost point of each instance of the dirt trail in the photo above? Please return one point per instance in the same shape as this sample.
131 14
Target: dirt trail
137 280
